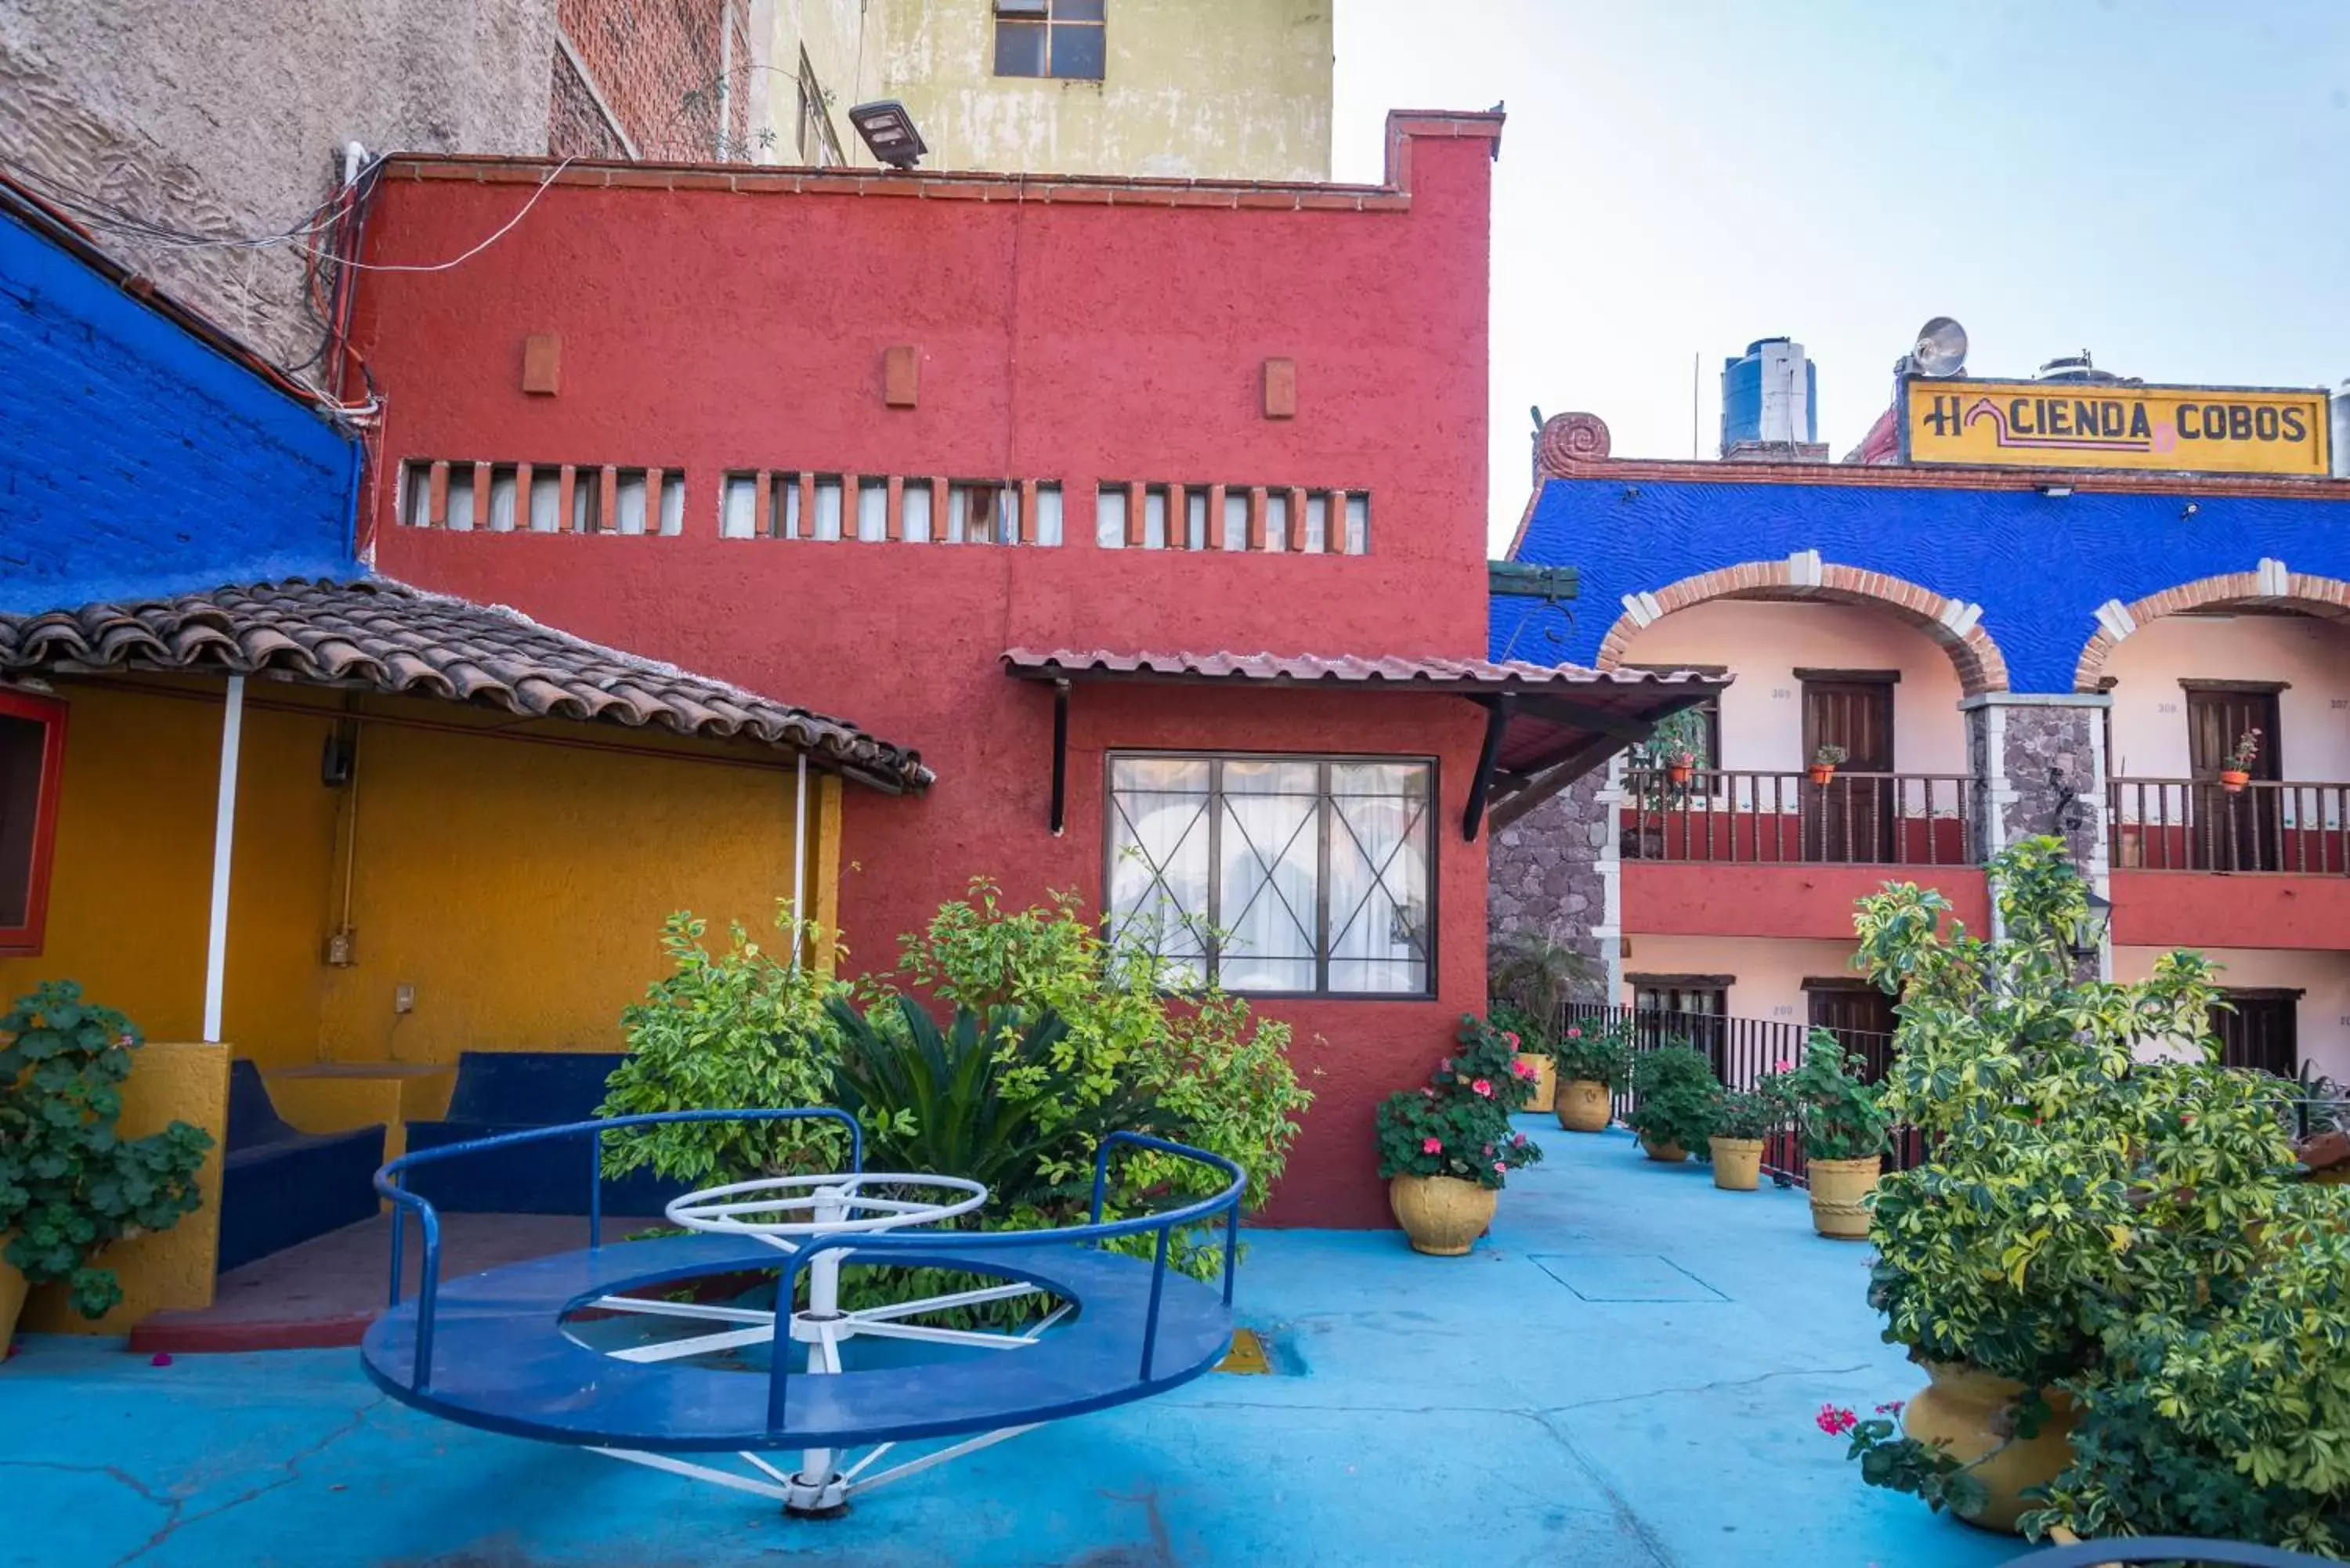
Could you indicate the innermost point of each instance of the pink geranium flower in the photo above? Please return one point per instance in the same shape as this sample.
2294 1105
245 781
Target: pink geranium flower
1517 1140
1483 1086
1432 1146
1573 1033
1500 1166
1511 1038
1783 1065
1445 1066
1522 1069
1836 1422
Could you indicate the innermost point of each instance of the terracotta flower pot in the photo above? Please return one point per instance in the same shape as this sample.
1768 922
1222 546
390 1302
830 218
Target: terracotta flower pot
1822 773
1664 1153
1680 773
1442 1215
11 1294
2234 780
1964 1408
1837 1188
1545 1090
1584 1104
1737 1163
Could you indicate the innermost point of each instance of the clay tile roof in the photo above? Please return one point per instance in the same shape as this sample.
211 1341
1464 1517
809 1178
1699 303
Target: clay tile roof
1454 675
399 639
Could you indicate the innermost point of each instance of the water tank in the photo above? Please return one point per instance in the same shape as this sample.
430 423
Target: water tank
2079 368
1771 394
2342 430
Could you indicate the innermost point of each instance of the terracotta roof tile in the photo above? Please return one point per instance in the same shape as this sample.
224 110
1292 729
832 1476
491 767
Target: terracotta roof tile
397 640
1439 674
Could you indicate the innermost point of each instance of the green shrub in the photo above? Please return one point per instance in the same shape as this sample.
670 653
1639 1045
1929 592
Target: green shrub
1674 1096
1748 1113
740 1030
1594 1053
1839 1117
69 1184
1457 1125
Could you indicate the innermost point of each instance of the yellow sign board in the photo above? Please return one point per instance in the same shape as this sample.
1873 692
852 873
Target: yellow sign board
2061 424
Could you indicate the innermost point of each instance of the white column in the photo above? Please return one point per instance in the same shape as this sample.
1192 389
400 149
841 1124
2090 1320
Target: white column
223 844
799 862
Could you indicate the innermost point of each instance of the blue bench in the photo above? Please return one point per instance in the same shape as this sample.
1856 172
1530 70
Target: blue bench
280 1186
512 1091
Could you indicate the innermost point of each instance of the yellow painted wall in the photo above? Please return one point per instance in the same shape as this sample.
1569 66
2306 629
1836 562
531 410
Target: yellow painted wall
520 889
171 1270
130 887
1199 88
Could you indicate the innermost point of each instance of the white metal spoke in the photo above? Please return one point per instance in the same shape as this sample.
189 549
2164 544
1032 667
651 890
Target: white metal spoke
939 1303
697 1345
763 1466
858 1469
677 1466
971 1446
650 1308
945 1335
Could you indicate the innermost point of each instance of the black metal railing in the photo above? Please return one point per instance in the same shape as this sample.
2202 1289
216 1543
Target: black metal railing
1741 1050
1786 818
2200 824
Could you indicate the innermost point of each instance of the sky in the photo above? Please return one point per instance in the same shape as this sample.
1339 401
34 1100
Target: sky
2166 185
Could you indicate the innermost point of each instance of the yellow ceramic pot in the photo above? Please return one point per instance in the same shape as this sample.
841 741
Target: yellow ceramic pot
1545 1090
1584 1106
1965 1409
1665 1153
1442 1215
11 1294
1837 1188
1737 1163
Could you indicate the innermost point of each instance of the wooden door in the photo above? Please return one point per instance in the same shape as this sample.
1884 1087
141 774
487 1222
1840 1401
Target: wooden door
2232 832
1850 818
1861 1016
2258 1029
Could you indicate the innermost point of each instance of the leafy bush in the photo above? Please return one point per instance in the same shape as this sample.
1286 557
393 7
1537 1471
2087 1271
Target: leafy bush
1531 978
69 1184
740 1030
1674 1096
1457 1125
1748 1113
988 1098
1597 1054
1839 1117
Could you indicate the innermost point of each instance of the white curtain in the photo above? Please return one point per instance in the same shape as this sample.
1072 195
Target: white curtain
1159 856
1378 878
1267 889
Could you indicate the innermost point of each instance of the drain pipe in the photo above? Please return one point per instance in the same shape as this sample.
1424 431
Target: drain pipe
223 843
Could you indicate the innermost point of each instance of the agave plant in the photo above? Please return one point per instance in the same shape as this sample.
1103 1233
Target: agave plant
990 1098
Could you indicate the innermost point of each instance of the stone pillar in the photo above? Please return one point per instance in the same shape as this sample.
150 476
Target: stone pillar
1555 871
2042 760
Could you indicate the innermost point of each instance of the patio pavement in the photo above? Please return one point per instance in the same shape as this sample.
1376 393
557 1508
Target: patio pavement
1622 1376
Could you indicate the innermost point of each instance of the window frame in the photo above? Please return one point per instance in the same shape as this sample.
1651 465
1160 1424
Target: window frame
25 940
1048 23
1431 837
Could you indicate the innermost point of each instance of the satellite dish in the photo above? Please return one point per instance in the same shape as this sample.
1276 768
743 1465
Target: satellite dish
1941 348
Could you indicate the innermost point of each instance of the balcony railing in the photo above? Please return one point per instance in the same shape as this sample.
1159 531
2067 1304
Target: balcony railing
1853 819
2196 824
1742 1051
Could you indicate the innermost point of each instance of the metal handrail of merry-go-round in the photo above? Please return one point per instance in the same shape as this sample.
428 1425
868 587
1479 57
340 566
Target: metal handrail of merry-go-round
1225 1202
2156 1549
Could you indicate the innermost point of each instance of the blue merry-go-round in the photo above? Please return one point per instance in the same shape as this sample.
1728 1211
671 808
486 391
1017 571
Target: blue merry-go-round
507 1350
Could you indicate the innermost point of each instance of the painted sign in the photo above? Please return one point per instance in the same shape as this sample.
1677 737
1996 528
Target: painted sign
2061 424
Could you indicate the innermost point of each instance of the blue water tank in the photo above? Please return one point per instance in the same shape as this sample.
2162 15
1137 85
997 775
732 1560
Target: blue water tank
1771 394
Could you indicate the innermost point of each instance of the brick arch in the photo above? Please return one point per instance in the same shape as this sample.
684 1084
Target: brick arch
2270 586
1953 624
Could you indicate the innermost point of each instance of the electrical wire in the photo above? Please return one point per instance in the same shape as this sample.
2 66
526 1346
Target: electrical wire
493 238
102 213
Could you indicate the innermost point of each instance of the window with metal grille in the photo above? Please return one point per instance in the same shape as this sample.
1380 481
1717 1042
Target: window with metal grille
1062 38
32 752
1278 875
2259 1029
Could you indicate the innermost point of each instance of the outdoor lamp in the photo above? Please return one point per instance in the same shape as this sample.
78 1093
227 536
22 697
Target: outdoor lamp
2089 930
889 131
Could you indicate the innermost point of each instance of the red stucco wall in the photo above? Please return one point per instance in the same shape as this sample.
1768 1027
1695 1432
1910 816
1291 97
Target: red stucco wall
1061 338
2212 909
1701 899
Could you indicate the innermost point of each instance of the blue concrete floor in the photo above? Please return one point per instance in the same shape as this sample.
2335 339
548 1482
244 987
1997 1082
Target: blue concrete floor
1624 1373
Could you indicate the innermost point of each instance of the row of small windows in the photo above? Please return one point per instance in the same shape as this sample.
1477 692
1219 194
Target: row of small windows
550 498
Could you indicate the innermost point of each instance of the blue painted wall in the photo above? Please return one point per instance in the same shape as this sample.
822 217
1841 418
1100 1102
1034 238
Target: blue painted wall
135 459
2039 564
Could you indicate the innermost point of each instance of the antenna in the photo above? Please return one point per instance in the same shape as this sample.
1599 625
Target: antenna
1942 348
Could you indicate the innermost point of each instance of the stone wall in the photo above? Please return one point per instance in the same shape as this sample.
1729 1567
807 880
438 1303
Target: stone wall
1547 872
227 118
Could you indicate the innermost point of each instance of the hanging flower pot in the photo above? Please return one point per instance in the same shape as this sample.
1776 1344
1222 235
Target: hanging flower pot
2234 780
1679 774
1823 762
1822 773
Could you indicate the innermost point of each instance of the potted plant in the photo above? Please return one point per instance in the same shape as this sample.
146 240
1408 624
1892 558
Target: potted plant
1824 759
2126 1303
1744 1121
1592 1062
1843 1129
2236 767
1446 1148
1674 1101
70 1185
1533 977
